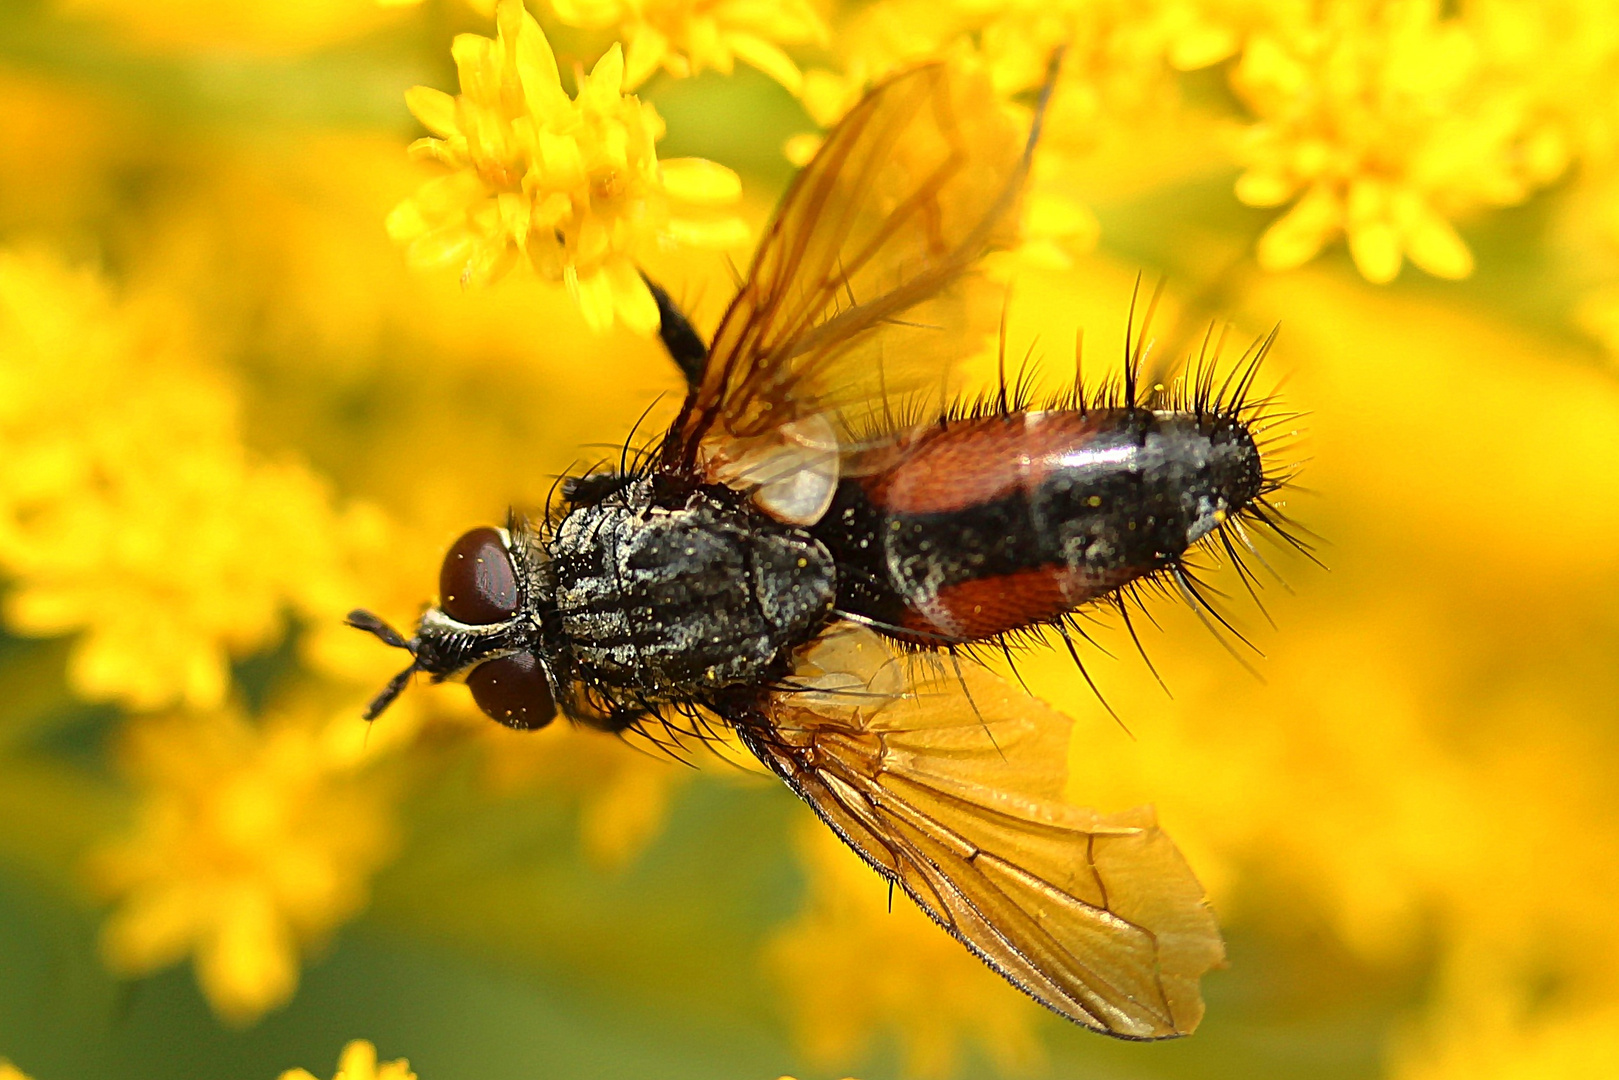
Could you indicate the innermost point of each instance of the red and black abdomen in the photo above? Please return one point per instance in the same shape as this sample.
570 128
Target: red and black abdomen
973 527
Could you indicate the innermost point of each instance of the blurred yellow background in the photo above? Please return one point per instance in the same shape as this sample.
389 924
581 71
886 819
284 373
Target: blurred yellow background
233 406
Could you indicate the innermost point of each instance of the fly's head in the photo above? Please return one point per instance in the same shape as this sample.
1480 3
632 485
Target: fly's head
485 627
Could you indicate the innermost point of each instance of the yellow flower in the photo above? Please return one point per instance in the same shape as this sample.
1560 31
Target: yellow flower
1564 54
851 968
129 509
1119 58
572 185
249 844
684 37
359 1062
8 1071
1381 121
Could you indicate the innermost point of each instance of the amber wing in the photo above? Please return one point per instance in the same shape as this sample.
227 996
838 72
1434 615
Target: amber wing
853 294
951 788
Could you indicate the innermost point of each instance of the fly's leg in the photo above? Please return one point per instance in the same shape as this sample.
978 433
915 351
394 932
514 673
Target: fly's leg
685 347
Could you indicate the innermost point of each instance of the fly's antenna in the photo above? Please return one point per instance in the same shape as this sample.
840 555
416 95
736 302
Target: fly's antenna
371 624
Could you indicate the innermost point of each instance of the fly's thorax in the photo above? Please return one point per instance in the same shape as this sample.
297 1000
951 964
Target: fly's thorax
683 597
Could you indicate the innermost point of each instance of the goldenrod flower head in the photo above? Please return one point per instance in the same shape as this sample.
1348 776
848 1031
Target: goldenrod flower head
1115 51
1563 57
684 37
249 843
1379 120
1116 57
572 185
130 511
359 1062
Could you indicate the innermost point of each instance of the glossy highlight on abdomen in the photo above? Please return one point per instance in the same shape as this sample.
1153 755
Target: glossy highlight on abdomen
977 526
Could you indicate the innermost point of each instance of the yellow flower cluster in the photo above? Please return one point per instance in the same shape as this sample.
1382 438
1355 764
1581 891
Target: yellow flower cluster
250 843
216 370
129 509
1382 122
684 37
573 186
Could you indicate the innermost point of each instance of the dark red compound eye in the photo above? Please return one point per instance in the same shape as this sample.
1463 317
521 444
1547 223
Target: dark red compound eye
477 584
514 691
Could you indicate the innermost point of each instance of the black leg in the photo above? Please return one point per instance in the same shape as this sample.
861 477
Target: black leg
685 347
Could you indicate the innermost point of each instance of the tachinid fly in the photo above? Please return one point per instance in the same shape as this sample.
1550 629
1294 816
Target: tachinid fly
795 563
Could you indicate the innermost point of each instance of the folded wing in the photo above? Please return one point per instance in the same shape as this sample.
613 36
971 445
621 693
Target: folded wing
948 782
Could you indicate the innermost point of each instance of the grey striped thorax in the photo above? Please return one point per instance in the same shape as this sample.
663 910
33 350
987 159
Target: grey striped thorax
661 603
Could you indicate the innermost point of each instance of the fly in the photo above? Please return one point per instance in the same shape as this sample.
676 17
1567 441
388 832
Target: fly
794 562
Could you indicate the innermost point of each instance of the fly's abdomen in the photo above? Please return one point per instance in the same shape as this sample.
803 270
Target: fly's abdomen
977 526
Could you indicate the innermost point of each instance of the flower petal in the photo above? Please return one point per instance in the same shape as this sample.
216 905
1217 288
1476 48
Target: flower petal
537 69
718 234
359 1061
801 148
434 108
1296 237
607 77
249 964
1375 247
1434 245
594 295
700 182
648 49
768 57
475 64
1258 187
